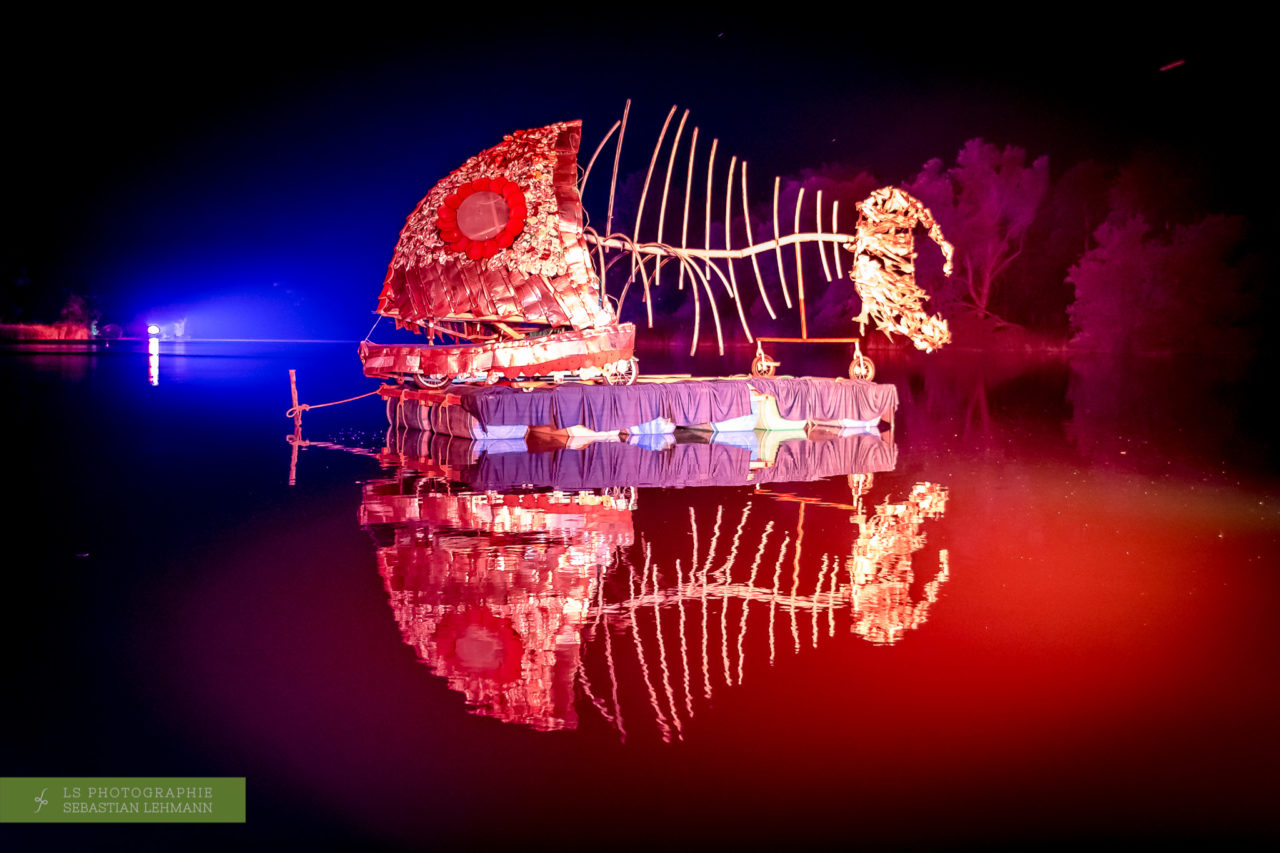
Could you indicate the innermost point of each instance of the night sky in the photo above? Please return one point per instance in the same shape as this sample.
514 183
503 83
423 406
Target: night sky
253 172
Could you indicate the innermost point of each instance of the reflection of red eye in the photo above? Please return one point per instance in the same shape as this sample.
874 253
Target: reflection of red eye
476 642
482 217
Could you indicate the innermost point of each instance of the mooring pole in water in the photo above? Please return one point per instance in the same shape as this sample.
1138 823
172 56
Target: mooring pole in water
297 427
295 441
293 391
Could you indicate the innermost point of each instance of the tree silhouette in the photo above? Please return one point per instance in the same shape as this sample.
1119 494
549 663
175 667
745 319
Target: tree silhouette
1149 291
985 204
1035 291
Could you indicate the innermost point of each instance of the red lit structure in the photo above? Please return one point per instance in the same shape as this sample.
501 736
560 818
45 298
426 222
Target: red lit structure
496 267
535 583
494 259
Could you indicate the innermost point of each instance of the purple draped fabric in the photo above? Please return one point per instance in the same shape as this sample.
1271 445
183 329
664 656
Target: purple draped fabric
605 408
614 464
502 405
608 464
705 402
799 461
813 399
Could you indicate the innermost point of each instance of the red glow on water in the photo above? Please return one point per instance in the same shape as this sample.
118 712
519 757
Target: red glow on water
1074 647
1089 623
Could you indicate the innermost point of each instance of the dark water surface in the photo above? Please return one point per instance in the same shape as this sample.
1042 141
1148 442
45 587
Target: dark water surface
1046 616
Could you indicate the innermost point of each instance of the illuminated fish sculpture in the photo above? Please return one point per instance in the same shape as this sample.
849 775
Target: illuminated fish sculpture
494 258
497 265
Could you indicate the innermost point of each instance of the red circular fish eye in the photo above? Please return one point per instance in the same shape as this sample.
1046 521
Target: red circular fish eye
482 217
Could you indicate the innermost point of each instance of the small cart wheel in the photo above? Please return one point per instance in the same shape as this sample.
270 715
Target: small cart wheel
763 366
432 383
622 372
862 368
625 495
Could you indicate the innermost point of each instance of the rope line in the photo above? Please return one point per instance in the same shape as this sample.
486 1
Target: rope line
304 407
374 326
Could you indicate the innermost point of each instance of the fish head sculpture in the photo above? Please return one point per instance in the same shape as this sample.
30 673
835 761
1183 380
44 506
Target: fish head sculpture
500 240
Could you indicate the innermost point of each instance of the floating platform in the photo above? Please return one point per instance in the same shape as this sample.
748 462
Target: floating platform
511 464
654 405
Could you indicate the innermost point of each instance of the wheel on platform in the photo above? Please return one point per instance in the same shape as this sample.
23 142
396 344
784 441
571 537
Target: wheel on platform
432 383
763 366
862 368
626 374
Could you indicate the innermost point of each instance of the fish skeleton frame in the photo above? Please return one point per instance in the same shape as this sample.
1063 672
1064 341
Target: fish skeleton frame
498 250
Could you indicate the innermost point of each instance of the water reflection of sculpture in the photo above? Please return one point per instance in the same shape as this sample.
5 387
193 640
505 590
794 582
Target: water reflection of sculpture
880 565
753 586
518 599
491 590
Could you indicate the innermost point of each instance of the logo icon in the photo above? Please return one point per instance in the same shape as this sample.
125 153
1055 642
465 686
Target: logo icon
41 802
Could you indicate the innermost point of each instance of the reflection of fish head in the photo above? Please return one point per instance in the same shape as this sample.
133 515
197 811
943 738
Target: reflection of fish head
473 642
491 589
504 666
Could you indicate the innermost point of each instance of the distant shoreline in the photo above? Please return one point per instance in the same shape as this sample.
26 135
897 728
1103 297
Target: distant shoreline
57 332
